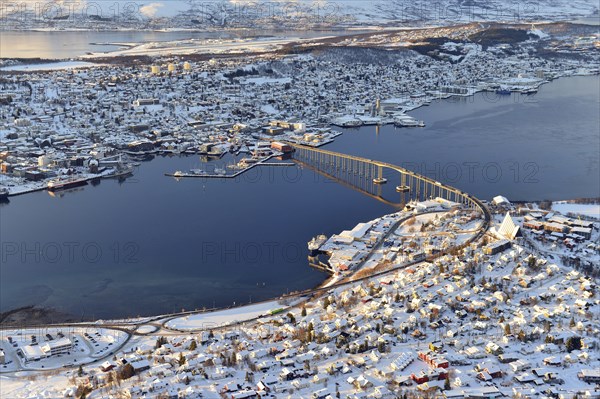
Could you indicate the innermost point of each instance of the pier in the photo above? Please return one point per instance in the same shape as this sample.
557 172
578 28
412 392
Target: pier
262 162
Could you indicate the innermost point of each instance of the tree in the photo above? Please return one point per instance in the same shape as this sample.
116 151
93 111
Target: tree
507 329
447 383
303 313
572 322
307 365
160 342
326 303
291 318
181 360
193 345
442 268
573 343
82 391
126 372
80 371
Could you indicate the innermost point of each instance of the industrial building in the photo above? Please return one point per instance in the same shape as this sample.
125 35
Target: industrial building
51 348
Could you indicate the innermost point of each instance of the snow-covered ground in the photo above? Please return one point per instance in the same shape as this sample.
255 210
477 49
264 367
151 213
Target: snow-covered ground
506 318
591 210
182 14
49 66
182 47
224 317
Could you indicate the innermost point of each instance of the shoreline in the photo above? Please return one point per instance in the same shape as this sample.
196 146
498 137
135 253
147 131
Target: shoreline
333 126
45 187
327 283
272 33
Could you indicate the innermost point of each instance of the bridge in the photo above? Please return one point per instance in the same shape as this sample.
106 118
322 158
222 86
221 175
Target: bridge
354 171
362 174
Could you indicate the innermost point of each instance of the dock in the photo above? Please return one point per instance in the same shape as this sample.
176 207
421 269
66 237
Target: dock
262 162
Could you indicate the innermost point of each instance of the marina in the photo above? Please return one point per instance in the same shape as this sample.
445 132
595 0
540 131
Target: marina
222 174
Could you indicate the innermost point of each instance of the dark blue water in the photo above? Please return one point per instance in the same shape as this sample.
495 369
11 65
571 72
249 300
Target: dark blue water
152 244
536 147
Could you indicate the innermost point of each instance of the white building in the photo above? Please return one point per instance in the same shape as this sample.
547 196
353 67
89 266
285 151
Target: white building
50 348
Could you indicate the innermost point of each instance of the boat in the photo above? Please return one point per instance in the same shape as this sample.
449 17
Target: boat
380 180
247 162
347 122
402 189
315 244
220 171
420 124
352 123
406 122
216 152
62 183
3 193
178 173
122 172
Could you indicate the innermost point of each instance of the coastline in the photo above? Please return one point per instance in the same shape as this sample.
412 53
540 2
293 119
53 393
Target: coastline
330 126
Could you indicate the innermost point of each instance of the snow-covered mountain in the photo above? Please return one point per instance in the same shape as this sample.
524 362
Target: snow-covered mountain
285 13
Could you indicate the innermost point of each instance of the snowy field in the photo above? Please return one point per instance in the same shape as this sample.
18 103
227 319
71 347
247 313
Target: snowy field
223 317
182 47
591 210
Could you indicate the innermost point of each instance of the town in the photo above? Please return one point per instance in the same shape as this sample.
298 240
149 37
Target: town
63 127
508 315
444 296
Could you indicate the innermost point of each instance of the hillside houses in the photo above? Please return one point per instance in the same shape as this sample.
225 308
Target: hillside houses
453 326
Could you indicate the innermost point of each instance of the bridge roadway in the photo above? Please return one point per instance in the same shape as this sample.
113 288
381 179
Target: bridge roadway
317 157
159 322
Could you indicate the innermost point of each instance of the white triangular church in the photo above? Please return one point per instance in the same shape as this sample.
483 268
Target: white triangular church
508 229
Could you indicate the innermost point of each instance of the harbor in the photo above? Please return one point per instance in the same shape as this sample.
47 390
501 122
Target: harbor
202 174
311 202
64 182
